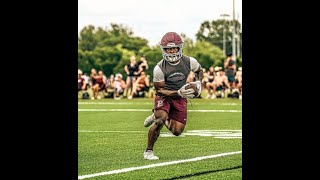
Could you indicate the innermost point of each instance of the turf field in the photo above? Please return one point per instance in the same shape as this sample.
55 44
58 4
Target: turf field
112 138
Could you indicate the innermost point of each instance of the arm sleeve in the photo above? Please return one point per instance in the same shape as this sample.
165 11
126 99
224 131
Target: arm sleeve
194 65
158 75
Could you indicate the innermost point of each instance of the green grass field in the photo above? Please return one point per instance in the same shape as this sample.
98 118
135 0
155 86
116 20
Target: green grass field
111 136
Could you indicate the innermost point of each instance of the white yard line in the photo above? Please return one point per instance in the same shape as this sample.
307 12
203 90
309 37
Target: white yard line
99 103
191 131
115 103
214 130
149 110
113 131
214 110
226 134
121 110
156 165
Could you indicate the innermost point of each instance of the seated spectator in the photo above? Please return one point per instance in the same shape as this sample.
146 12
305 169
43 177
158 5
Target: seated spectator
92 80
99 85
238 82
105 82
220 83
141 84
205 78
109 83
109 91
86 79
118 85
216 69
210 84
238 76
81 82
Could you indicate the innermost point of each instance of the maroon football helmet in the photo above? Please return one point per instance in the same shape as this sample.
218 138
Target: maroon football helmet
169 40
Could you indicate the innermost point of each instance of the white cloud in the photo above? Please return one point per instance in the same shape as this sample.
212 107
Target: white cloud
151 19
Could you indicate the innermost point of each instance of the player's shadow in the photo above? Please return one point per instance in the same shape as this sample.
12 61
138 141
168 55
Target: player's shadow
202 173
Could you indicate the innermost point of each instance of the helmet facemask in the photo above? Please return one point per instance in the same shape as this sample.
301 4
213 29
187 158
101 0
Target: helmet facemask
172 57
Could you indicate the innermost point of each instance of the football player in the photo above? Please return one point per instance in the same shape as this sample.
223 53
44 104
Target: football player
169 78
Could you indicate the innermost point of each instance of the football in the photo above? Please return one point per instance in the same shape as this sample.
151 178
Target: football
194 87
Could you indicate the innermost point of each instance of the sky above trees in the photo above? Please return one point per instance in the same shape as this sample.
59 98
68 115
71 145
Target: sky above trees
151 19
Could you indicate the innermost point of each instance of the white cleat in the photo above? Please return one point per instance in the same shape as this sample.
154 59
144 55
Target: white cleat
150 119
149 155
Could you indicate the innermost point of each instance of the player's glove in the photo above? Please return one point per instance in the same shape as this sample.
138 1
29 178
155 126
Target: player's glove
186 93
198 83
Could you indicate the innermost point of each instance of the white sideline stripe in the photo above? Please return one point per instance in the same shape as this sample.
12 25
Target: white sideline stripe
223 137
213 130
148 110
145 131
98 103
214 110
131 110
156 165
112 131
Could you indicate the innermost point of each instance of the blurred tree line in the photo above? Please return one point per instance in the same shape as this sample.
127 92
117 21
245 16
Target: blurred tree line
109 49
214 31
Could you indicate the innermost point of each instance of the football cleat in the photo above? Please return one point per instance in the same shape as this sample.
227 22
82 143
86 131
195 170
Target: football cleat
150 119
149 155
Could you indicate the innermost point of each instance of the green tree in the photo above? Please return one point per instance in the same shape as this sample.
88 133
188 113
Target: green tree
153 56
213 32
86 60
107 49
206 54
107 58
119 34
87 40
125 59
